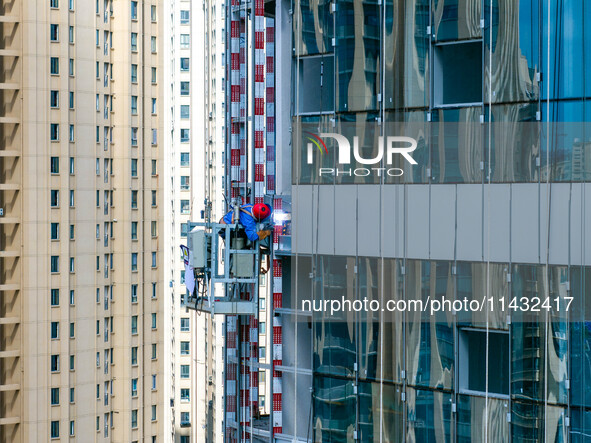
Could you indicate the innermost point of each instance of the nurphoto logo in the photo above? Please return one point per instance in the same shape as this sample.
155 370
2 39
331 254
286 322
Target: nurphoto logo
393 145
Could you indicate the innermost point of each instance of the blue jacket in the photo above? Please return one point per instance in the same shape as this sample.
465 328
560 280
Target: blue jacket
246 220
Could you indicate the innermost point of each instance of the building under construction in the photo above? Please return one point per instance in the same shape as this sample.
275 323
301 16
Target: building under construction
494 208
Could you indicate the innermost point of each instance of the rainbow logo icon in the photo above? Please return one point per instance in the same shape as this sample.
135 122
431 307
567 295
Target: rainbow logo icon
317 141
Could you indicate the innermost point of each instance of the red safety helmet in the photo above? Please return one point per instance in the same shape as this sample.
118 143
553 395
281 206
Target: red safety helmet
261 211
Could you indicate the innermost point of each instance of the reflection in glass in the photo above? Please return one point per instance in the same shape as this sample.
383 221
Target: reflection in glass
368 320
472 419
334 407
376 400
316 21
457 19
429 416
357 54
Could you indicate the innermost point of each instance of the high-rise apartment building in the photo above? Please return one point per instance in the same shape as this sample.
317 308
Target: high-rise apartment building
84 319
194 123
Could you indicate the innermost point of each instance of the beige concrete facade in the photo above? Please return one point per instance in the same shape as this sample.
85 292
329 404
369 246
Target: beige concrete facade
81 214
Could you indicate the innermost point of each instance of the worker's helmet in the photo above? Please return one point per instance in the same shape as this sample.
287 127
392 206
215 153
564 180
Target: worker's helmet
261 211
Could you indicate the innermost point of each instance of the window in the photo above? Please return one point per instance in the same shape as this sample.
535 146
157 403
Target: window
72 232
133 73
262 303
185 348
55 297
134 293
184 135
134 167
54 3
185 88
262 352
71 165
184 230
134 10
154 320
185 183
54 32
72 297
153 259
262 377
154 229
472 361
154 354
153 290
185 207
261 401
54 132
55 363
185 394
153 13
134 105
185 324
134 387
71 34
55 198
55 429
154 171
72 395
134 324
185 17
134 41
185 63
133 199
134 355
134 261
71 198
71 67
153 412
54 99
154 106
71 5
72 264
54 165
71 428
153 44
54 66
134 230
185 371
72 329
153 382
55 264
154 136
458 73
185 41
134 136
71 137
185 112
55 330
153 75
185 159
71 100
262 328
154 198
134 418
72 359
185 420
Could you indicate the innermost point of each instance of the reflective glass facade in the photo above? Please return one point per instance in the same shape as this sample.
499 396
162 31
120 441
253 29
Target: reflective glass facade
480 376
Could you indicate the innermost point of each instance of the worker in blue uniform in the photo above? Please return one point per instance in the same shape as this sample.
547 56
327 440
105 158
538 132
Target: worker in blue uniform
249 217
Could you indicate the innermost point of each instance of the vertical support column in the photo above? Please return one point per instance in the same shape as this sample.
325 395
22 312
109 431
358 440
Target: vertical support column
277 416
270 89
259 101
234 98
231 379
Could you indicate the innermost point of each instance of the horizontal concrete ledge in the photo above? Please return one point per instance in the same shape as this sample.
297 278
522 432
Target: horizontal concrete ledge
10 287
12 387
9 120
9 186
14 86
10 19
10 421
10 153
9 220
9 52
9 254
10 354
9 320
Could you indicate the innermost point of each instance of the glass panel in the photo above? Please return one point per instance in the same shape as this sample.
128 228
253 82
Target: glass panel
529 423
380 403
361 125
334 335
429 338
580 429
456 19
456 150
303 134
580 337
313 28
316 84
429 416
515 46
516 143
357 54
406 54
335 409
472 419
390 351
368 321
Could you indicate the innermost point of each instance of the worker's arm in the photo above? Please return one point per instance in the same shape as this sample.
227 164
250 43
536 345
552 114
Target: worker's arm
250 227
